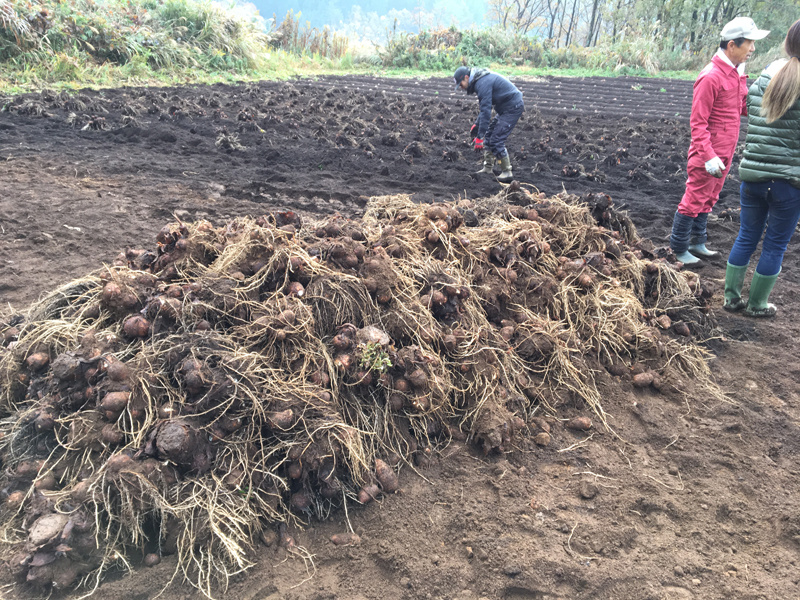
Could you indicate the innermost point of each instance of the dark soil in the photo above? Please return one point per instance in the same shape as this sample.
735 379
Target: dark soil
695 499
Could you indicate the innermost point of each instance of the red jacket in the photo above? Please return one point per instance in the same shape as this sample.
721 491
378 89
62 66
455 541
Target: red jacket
719 101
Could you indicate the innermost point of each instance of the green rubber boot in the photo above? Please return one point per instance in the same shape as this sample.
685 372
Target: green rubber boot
760 289
734 279
506 176
488 163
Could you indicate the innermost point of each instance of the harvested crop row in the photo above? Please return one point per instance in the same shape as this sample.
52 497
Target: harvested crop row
193 398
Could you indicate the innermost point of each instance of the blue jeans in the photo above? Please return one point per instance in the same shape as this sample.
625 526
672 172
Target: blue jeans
688 231
500 127
775 203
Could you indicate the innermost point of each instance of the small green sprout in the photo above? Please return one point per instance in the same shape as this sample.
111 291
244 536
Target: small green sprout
374 357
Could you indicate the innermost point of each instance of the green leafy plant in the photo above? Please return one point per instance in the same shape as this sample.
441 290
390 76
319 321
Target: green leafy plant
374 357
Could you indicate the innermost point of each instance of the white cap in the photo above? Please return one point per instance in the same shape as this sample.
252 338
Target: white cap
742 27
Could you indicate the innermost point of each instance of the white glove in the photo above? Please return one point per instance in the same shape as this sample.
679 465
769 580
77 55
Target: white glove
715 167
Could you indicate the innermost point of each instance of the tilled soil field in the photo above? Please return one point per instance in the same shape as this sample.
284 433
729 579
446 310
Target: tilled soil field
694 498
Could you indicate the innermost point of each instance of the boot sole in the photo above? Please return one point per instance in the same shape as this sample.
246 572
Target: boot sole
764 313
735 306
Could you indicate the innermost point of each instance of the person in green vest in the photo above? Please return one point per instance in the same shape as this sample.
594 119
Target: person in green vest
770 174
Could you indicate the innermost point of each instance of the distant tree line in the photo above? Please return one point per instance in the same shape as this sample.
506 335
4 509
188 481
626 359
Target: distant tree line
679 25
682 25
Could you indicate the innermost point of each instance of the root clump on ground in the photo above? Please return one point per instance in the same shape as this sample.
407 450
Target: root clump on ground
238 379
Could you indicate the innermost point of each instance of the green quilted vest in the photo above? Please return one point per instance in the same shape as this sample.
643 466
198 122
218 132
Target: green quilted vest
772 151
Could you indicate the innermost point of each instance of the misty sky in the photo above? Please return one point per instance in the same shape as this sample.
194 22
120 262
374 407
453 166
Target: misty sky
370 18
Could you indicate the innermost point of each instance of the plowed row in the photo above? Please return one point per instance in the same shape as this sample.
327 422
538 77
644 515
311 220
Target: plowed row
694 499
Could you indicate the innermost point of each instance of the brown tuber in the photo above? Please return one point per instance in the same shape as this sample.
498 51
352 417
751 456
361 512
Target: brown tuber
182 443
346 539
136 326
45 482
344 362
396 402
28 469
368 493
438 298
301 501
37 361
664 322
436 213
117 371
46 529
296 289
111 435
15 500
111 293
118 462
115 401
386 477
45 421
342 342
643 379
152 559
281 420
418 379
681 328
579 423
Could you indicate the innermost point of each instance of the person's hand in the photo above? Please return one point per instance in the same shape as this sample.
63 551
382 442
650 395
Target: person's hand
473 131
478 144
715 167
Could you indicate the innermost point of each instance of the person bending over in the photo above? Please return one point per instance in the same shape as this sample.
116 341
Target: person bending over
490 134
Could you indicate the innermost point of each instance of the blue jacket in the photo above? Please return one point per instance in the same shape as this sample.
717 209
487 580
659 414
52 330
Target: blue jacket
493 90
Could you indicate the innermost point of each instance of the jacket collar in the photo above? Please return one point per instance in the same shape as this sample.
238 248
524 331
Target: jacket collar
722 59
475 74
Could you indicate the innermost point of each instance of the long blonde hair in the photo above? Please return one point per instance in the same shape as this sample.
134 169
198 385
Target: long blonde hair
784 88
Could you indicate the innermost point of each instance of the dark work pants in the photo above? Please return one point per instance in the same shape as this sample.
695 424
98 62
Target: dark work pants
500 127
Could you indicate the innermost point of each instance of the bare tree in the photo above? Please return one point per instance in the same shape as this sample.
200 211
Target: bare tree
517 15
594 22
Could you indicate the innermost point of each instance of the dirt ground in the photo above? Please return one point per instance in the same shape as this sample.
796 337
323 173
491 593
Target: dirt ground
694 499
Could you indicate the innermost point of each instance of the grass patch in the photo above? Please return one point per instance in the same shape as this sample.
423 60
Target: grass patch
64 72
113 43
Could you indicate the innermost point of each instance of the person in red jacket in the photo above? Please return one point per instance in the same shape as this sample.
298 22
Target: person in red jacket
718 103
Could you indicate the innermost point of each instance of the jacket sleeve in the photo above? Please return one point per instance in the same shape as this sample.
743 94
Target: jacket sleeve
743 90
705 92
484 93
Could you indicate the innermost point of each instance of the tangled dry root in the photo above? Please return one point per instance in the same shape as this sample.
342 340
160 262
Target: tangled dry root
187 399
